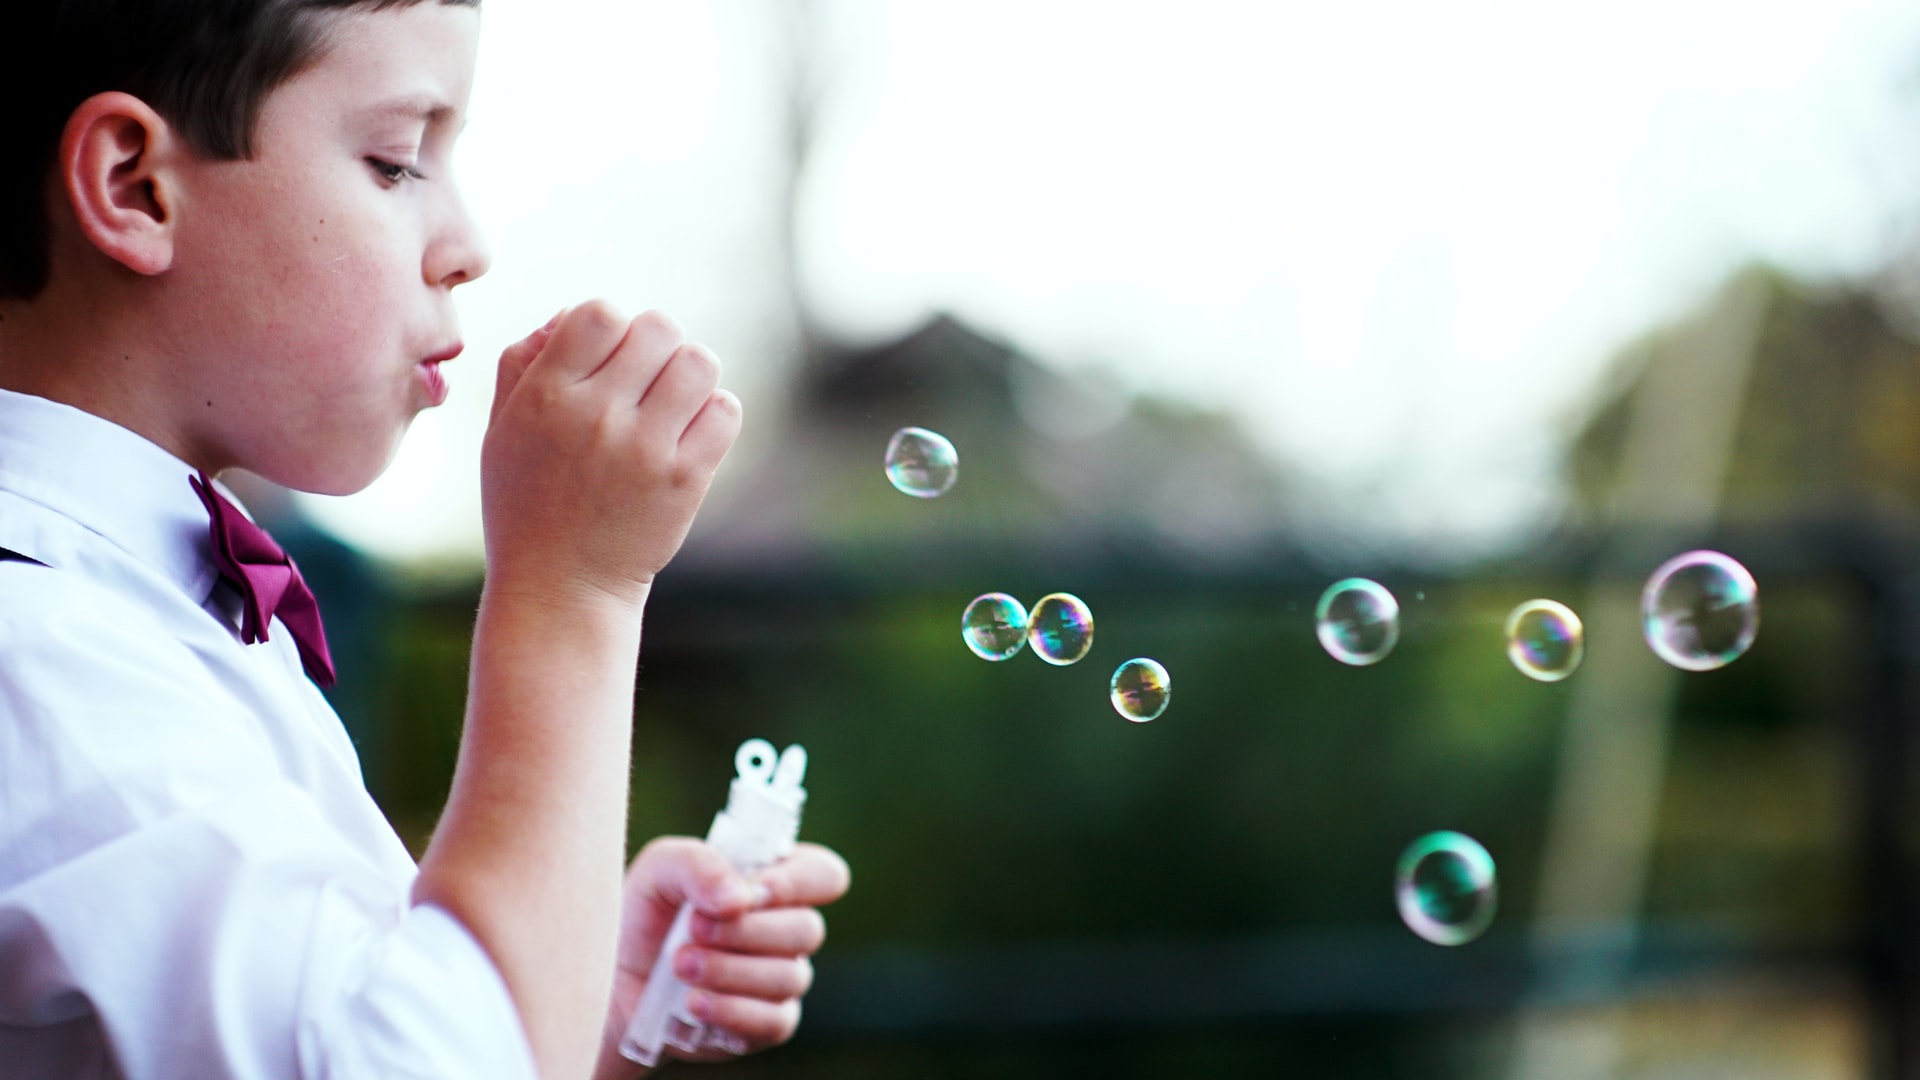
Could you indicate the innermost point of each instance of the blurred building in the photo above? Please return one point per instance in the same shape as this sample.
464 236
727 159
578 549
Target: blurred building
1049 463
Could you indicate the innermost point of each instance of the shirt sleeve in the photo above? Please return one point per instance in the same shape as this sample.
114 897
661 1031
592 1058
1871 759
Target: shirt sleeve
162 880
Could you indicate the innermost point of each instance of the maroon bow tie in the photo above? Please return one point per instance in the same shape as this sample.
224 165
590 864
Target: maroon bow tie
267 579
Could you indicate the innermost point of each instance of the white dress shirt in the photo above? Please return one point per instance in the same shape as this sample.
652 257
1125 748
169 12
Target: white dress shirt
194 882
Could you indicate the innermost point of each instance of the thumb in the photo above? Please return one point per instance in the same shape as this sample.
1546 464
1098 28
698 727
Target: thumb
681 870
514 361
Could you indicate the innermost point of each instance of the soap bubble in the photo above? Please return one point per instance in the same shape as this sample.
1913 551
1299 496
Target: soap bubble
1358 621
1141 689
1445 889
1700 611
1545 640
1061 628
994 626
921 463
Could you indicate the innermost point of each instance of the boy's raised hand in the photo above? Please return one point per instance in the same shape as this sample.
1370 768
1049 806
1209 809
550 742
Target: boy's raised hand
747 961
604 436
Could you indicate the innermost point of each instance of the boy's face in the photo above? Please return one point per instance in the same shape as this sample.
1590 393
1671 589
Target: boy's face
313 282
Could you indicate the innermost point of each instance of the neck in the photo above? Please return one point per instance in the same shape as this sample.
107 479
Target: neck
84 347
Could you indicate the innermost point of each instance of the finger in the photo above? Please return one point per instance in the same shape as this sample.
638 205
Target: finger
766 977
682 387
811 876
788 931
514 360
670 871
761 1023
711 434
686 870
651 341
726 1042
584 339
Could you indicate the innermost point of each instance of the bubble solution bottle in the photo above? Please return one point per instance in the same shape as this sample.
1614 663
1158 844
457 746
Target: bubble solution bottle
757 829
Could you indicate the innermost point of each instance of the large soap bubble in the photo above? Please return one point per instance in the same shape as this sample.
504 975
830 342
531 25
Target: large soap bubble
1445 889
922 463
1545 640
994 626
1358 621
1140 689
1700 611
1060 628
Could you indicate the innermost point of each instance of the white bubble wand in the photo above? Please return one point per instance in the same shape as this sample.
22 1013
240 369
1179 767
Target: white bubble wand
757 829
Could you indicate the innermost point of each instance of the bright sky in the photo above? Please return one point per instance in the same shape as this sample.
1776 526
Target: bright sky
1398 239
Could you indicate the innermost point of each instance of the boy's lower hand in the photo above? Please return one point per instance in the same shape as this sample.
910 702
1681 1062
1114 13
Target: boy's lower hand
747 964
605 434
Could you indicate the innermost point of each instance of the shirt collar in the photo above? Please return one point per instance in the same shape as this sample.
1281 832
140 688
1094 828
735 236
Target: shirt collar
110 481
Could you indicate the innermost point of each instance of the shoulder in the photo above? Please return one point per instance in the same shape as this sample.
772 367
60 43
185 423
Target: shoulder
105 704
77 644
65 621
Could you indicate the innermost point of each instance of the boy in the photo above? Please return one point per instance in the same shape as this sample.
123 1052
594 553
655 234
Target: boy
228 238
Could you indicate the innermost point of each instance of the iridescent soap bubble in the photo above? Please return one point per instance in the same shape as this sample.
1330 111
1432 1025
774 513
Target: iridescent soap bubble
1358 621
994 626
1545 640
1060 628
1700 611
1141 689
922 463
1445 888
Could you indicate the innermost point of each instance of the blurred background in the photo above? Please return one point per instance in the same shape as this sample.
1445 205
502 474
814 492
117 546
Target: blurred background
1221 303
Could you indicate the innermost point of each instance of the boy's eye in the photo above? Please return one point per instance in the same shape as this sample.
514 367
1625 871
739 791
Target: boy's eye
391 173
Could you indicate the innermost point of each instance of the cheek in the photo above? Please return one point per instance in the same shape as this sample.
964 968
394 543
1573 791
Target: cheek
355 300
347 248
348 296
351 261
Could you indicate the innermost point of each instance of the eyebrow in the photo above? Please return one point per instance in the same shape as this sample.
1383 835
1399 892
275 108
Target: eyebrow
431 110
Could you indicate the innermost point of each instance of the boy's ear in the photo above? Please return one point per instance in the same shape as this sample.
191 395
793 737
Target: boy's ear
114 166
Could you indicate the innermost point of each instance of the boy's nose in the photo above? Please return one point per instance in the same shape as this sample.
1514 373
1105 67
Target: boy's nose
459 254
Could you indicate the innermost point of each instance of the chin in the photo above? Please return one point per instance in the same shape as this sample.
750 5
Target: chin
356 482
340 476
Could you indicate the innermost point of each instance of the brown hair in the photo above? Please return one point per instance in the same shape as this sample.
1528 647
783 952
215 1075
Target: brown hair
204 65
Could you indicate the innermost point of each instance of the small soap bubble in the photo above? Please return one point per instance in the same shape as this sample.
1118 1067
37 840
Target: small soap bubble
1700 611
1445 888
1141 689
922 463
1060 628
994 626
1358 621
1545 640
